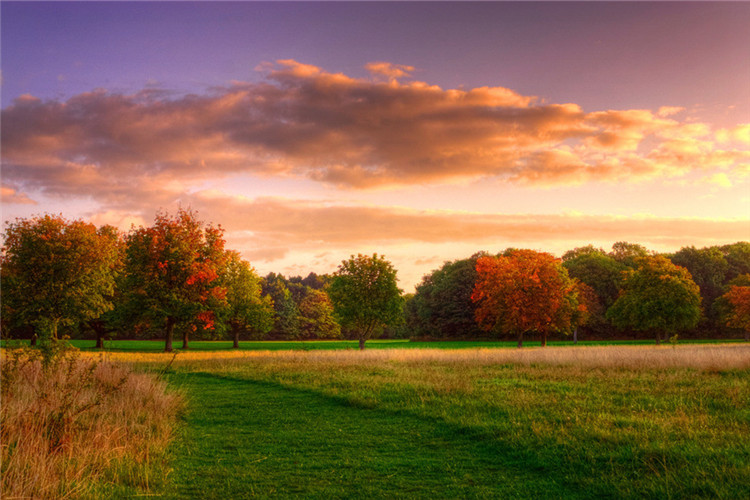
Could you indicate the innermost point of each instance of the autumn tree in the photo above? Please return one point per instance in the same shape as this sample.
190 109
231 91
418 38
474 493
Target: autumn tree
524 291
628 253
736 304
244 307
57 272
658 297
365 295
172 271
708 268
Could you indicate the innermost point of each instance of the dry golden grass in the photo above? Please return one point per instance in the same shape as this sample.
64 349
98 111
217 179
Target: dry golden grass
699 357
78 423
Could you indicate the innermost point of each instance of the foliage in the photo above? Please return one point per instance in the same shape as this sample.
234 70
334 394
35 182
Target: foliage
659 297
172 271
316 316
57 272
708 268
365 295
628 253
286 318
442 305
244 308
525 291
738 301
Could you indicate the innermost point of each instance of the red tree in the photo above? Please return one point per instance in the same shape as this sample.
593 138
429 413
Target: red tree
738 298
525 291
172 271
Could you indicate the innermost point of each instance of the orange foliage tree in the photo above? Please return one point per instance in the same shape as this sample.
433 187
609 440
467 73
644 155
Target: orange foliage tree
738 315
172 270
525 291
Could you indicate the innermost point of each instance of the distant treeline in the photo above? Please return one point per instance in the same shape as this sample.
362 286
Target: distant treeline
62 277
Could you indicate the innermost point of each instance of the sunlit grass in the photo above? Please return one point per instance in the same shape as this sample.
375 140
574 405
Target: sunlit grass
589 422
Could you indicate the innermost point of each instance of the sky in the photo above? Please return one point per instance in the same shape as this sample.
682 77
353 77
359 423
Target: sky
422 131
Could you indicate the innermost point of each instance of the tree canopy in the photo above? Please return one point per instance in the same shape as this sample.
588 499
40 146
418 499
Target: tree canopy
365 295
658 297
525 291
57 272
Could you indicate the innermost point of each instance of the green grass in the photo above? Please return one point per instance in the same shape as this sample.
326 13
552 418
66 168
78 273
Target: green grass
307 345
339 427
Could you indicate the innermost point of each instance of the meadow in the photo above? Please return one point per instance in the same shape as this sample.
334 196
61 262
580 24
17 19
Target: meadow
582 422
616 421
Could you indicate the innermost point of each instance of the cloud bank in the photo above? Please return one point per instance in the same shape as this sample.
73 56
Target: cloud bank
353 133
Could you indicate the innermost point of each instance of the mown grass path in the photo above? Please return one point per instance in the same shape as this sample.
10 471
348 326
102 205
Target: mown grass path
245 438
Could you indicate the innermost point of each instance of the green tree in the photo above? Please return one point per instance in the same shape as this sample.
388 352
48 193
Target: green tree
709 269
245 309
316 317
365 295
657 297
171 273
286 314
442 305
57 272
604 275
628 253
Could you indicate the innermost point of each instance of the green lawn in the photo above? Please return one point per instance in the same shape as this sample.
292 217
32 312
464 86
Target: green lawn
217 345
338 427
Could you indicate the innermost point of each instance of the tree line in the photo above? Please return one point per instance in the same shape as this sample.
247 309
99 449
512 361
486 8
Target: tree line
176 277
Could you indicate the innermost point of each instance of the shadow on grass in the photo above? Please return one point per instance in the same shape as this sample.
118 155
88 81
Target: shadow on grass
248 438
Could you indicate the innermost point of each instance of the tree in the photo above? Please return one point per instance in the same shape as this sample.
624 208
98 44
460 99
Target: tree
737 304
708 268
603 274
525 291
172 271
365 295
244 309
628 253
316 317
658 297
57 272
286 317
442 304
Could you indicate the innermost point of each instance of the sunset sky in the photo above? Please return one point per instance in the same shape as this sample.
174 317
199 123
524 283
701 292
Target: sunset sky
422 131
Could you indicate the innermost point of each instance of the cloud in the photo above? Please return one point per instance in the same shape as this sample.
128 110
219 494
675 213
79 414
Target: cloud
389 70
10 195
352 133
269 228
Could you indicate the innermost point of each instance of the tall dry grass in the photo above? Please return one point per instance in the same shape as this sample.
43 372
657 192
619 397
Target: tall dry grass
69 428
711 357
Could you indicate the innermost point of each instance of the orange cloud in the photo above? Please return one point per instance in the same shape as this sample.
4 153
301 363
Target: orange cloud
10 195
269 228
349 132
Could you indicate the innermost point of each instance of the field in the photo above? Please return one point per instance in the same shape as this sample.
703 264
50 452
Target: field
573 422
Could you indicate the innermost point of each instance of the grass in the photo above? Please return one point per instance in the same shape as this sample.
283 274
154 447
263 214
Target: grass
612 422
79 427
310 345
587 422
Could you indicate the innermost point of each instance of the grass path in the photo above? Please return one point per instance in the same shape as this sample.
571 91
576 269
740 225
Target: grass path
257 439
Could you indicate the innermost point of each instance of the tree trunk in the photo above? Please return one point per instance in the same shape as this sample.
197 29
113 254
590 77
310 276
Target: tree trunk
747 335
544 339
168 333
520 340
236 336
99 340
361 343
658 337
575 335
185 340
34 338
